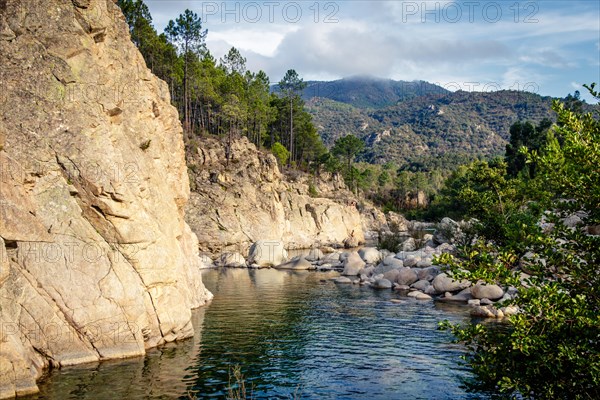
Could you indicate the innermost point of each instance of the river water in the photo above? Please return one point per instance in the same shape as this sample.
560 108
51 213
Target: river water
294 335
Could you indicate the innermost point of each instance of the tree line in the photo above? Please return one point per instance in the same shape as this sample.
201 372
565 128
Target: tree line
222 97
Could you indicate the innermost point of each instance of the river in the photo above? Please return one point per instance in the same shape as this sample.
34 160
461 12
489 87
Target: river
293 335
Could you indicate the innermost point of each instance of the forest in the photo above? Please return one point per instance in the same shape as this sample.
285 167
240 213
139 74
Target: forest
222 97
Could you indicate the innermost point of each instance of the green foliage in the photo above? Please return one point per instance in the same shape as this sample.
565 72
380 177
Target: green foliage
440 130
186 32
224 98
312 190
528 136
383 178
551 348
370 93
281 153
348 147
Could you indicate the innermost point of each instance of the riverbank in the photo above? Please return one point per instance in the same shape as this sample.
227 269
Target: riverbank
410 272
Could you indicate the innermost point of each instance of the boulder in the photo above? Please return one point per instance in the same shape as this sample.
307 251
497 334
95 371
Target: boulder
342 280
446 232
486 312
424 263
297 263
382 284
314 255
391 275
430 290
461 297
443 283
529 262
593 230
445 248
327 249
428 273
406 276
325 267
370 270
353 264
510 310
206 262
351 242
383 268
370 255
267 253
421 285
386 253
572 221
422 296
483 291
397 222
393 262
330 258
408 245
411 262
231 260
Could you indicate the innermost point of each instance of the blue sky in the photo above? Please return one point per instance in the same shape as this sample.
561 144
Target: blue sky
550 46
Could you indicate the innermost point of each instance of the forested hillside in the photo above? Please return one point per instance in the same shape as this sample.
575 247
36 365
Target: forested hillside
433 130
370 92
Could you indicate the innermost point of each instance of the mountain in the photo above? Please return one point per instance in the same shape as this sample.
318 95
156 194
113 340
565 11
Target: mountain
369 92
440 129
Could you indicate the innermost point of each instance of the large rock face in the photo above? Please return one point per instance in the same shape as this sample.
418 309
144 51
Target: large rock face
96 260
238 202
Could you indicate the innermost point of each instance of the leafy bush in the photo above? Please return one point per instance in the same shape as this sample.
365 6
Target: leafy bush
280 152
551 348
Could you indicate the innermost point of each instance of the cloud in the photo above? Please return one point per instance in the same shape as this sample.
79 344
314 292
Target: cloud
257 41
390 40
548 58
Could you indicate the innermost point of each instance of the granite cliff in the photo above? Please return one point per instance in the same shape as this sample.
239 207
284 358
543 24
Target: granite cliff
247 198
96 260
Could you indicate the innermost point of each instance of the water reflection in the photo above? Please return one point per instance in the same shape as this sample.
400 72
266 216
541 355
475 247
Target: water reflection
161 374
295 334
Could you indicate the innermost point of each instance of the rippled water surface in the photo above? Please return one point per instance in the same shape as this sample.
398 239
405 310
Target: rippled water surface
294 335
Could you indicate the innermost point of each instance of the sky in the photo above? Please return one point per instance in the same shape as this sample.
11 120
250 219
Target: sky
550 47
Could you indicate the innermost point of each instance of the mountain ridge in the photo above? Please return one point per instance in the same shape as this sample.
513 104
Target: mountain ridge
424 127
368 92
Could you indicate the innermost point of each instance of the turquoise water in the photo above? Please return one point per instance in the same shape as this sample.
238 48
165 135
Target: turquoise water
294 335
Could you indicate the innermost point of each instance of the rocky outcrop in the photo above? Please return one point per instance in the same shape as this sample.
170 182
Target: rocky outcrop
96 260
239 201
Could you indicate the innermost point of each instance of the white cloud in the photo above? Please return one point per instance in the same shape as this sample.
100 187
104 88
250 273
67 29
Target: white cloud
259 41
379 38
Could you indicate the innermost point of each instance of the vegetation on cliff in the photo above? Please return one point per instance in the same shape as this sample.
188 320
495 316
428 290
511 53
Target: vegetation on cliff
221 97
